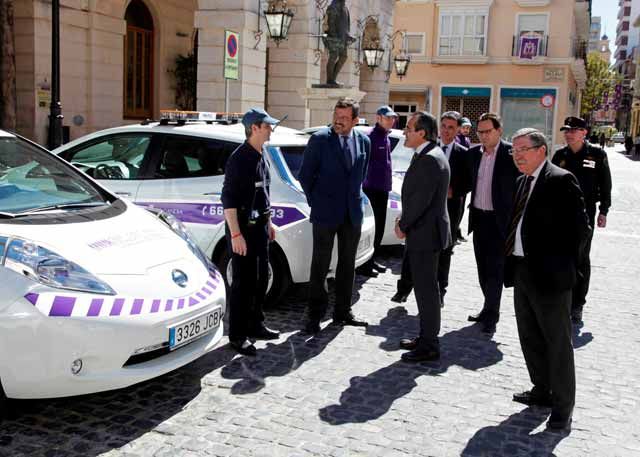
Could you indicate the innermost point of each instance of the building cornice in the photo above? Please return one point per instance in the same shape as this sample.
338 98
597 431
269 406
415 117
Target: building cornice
533 3
462 4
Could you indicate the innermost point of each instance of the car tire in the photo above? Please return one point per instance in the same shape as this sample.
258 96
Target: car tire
280 274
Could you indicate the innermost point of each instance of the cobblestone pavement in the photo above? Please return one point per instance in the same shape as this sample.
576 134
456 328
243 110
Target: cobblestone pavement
345 392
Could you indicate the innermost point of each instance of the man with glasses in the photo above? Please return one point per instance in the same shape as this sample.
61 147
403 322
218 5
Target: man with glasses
333 168
424 223
590 166
493 175
547 231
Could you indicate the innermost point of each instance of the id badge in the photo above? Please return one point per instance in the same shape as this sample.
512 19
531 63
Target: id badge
588 163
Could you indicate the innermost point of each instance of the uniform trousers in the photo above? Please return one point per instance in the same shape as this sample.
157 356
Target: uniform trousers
580 290
250 277
544 328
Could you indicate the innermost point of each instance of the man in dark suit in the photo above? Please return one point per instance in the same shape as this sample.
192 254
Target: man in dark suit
459 186
334 165
547 234
424 223
493 176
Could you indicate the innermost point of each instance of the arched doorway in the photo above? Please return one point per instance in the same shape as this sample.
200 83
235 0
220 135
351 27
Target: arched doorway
138 62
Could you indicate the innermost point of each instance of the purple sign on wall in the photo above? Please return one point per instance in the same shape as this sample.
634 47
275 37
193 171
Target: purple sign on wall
529 46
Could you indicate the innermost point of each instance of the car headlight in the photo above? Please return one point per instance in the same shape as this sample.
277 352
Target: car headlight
182 231
46 267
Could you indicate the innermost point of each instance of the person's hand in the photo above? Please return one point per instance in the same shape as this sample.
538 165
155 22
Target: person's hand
272 232
602 220
239 245
399 233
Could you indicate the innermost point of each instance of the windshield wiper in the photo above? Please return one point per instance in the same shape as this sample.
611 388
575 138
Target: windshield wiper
62 206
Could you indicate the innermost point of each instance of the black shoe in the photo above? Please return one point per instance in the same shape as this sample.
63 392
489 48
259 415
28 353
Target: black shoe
461 238
480 317
265 333
366 272
349 320
409 344
416 355
243 347
559 421
399 297
533 397
312 327
379 268
576 316
488 327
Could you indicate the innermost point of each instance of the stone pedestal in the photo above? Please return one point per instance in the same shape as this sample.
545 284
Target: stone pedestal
320 101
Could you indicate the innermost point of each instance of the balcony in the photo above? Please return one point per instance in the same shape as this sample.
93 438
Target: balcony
579 49
529 50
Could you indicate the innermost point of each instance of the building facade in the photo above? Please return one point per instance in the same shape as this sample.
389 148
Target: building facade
123 61
595 32
524 59
627 42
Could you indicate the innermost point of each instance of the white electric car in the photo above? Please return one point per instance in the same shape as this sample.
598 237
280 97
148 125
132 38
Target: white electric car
400 159
96 293
179 167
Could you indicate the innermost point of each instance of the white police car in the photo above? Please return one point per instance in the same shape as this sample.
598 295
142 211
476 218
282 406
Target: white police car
178 166
400 160
96 293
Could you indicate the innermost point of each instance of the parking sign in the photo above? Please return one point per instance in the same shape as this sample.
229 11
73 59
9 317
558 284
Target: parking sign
231 54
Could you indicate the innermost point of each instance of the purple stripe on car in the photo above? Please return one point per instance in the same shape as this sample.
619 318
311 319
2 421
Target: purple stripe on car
32 298
197 213
116 309
137 306
212 285
155 306
181 303
284 215
394 204
62 306
169 305
95 307
201 297
193 301
207 291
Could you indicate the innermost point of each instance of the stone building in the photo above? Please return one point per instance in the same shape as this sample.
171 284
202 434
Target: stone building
118 60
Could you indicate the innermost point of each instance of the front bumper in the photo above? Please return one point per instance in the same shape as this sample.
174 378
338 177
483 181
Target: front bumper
42 345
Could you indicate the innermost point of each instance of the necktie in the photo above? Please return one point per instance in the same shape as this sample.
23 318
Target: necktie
347 152
518 211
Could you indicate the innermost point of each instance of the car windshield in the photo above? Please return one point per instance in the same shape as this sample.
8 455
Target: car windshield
293 156
32 180
401 157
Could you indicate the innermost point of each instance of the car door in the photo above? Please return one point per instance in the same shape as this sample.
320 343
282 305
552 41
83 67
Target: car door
185 179
117 161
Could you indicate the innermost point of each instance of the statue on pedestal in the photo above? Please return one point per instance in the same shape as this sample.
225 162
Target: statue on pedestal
337 39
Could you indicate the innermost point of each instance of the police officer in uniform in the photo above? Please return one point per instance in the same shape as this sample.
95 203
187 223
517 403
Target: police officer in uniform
247 212
589 164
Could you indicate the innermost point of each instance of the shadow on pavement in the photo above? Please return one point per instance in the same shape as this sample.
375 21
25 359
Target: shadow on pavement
513 437
90 425
369 397
277 360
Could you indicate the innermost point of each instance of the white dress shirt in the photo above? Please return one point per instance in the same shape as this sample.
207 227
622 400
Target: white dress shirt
518 250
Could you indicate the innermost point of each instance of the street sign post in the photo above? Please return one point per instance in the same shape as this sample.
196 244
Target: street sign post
231 65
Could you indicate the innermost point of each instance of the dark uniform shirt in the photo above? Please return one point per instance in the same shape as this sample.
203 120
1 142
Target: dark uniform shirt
246 184
591 167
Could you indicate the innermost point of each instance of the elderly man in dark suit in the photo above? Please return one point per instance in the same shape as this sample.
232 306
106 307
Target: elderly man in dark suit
334 165
543 270
425 225
493 176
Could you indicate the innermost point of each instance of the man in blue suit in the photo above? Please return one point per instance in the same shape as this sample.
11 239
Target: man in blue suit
334 165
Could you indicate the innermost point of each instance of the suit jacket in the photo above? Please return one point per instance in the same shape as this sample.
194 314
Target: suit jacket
333 191
459 162
554 231
425 219
503 186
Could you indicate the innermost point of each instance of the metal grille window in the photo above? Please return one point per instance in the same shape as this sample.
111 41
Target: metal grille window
462 34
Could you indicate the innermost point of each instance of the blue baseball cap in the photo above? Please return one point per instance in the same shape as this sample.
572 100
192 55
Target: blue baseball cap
255 115
385 110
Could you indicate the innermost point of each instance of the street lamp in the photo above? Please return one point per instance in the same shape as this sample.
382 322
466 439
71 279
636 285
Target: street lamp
278 18
401 64
55 112
373 57
402 60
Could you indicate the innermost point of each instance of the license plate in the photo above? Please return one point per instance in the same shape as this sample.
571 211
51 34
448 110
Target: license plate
193 329
364 243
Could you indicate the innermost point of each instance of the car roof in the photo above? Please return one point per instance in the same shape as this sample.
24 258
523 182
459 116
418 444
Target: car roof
281 136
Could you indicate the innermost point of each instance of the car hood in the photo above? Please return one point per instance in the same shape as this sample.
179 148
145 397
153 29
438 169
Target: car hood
128 244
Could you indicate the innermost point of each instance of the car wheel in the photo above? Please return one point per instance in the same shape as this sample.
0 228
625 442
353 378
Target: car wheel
279 279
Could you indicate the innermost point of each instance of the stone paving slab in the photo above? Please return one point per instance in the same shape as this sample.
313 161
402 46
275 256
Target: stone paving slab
346 393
